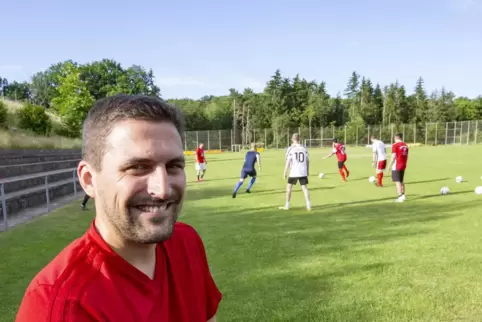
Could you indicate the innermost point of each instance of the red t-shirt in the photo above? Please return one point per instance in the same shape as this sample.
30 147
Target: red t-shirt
200 155
401 156
88 281
339 149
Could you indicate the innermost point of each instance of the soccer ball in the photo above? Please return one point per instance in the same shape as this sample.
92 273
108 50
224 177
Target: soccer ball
444 190
459 179
371 179
478 190
321 175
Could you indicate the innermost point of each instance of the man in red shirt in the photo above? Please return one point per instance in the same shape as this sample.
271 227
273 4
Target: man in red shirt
398 164
135 262
200 162
339 150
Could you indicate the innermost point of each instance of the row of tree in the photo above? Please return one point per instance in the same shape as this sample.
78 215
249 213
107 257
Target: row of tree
70 89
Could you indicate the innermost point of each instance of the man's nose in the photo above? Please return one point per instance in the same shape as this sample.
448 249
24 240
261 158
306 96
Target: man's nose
158 185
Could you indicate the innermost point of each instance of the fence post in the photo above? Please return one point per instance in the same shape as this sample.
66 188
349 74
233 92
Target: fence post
254 136
333 131
415 133
357 135
209 145
220 143
47 197
345 136
265 139
197 139
455 132
231 135
380 137
310 136
436 139
461 131
321 133
75 184
4 205
185 141
391 131
468 132
476 130
277 139
368 137
446 132
426 133
403 132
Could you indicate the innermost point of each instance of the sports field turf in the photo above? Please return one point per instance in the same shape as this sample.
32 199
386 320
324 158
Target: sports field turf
357 256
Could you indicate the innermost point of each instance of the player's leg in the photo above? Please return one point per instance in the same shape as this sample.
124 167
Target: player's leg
198 171
84 202
252 181
402 183
347 173
243 177
203 170
306 192
381 165
289 188
396 177
341 164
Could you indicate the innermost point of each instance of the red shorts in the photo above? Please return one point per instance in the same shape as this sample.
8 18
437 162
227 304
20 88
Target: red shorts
381 165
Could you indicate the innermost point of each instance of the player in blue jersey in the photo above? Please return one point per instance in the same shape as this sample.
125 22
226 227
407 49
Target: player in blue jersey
252 156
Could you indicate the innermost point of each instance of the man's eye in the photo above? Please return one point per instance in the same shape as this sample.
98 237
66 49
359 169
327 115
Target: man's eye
138 167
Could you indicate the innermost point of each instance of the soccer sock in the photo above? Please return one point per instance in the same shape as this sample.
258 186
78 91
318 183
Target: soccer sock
380 178
342 174
345 168
251 183
238 185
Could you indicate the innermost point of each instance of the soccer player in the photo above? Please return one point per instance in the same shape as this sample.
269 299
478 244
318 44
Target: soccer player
84 202
379 159
297 161
200 162
135 262
398 164
252 156
340 151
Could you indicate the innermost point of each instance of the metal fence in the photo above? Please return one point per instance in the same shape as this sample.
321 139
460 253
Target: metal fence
465 132
47 186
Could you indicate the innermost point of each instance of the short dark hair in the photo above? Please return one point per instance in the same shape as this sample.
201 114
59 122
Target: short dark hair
399 135
335 140
106 112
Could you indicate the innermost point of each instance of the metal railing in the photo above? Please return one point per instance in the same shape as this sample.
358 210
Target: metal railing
45 187
457 132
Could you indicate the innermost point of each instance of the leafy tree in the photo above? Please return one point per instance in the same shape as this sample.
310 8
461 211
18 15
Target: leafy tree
74 100
3 113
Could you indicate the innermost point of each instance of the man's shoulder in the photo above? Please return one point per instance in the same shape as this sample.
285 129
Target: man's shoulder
73 262
184 233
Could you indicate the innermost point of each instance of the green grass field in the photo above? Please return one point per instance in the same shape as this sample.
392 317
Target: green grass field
357 256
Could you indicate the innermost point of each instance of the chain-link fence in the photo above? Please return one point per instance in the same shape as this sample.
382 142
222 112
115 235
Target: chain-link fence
465 132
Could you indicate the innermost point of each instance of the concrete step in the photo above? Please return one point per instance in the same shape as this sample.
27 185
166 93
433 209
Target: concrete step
31 168
14 160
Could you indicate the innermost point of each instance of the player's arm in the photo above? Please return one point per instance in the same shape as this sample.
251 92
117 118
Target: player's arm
307 164
392 160
331 154
258 158
374 156
287 166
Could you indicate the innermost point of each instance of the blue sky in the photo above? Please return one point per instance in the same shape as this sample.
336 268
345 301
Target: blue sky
199 48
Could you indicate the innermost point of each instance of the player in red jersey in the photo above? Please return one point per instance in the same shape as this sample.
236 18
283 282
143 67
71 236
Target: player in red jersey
135 262
200 162
340 151
398 164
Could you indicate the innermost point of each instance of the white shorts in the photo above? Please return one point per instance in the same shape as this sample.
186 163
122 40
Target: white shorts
200 166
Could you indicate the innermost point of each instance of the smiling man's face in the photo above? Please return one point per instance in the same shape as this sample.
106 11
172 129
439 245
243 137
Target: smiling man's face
140 187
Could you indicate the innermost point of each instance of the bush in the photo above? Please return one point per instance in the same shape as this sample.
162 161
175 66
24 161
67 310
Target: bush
33 117
3 113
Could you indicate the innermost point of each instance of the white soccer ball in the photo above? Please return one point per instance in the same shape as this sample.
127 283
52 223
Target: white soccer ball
321 175
371 179
444 190
478 190
459 179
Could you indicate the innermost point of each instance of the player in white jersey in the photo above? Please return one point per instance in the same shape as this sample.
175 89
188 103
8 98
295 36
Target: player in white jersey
297 161
379 159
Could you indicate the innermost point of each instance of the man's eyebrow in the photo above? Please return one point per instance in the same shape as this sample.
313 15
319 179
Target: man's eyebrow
178 159
136 160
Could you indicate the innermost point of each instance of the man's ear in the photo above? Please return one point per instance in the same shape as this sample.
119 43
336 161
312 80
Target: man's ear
85 173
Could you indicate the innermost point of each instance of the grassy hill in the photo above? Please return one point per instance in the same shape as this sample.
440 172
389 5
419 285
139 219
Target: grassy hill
15 138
